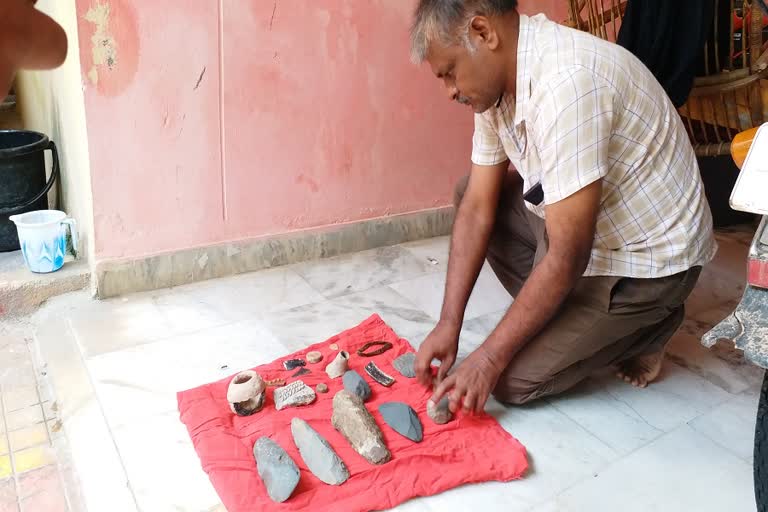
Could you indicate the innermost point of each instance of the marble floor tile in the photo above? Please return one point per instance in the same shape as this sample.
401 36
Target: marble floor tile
427 293
723 365
83 432
610 420
677 397
560 454
163 467
114 324
732 424
682 470
342 275
299 327
142 381
433 251
246 296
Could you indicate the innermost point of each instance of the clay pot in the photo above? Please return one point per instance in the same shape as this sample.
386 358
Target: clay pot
246 393
338 366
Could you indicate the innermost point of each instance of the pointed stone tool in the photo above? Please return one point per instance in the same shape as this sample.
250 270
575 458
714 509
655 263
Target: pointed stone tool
403 420
317 454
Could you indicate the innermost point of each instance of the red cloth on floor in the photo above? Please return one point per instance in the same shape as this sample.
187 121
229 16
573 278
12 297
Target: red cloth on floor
469 449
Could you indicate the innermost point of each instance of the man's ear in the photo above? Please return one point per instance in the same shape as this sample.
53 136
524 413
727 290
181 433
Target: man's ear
481 32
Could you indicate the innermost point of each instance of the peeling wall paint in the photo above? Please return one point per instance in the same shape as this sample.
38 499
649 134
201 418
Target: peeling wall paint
103 45
109 42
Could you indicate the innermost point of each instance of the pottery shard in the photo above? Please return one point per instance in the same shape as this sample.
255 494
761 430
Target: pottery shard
378 375
245 393
292 364
294 394
439 413
354 383
403 420
314 357
277 470
317 454
338 366
352 419
404 365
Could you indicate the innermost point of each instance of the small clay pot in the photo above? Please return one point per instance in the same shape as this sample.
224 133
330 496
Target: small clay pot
246 393
338 366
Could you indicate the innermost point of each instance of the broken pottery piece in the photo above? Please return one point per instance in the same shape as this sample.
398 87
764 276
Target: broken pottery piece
245 393
317 454
333 346
355 423
277 470
404 365
439 413
302 371
314 357
294 394
338 366
272 383
354 383
322 388
378 375
403 420
292 364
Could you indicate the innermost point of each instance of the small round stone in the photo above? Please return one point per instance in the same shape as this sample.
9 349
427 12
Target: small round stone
314 357
322 388
334 346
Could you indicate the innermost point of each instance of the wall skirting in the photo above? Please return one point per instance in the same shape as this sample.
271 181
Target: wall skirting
119 277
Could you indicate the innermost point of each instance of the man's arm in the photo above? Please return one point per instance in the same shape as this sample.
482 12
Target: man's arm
28 40
471 234
469 243
571 230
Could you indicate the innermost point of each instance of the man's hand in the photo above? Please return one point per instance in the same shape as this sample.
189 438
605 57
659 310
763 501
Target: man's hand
441 344
471 384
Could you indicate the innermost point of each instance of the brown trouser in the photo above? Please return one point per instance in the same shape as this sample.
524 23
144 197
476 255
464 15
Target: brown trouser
604 320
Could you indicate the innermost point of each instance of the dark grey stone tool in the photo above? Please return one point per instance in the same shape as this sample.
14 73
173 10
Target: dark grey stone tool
354 383
403 420
404 365
277 469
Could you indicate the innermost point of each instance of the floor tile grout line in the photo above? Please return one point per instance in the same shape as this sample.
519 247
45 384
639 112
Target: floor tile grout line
658 432
112 439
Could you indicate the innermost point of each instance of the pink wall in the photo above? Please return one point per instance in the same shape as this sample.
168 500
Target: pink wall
307 114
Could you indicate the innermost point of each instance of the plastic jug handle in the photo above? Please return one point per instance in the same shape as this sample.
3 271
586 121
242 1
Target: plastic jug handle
73 233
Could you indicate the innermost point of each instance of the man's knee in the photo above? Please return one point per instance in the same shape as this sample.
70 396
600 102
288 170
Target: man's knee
460 190
515 391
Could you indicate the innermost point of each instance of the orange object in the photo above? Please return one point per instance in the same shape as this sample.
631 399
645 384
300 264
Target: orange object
740 146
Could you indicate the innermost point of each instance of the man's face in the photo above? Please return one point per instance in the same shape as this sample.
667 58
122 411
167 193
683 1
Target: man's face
473 78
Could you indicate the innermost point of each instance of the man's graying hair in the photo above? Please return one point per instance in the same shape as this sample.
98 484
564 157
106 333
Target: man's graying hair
447 21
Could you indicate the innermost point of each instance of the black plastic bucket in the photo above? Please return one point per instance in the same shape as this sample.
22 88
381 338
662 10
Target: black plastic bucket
23 187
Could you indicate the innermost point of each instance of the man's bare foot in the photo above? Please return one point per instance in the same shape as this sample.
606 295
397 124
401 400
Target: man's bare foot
641 370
